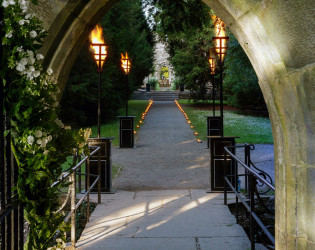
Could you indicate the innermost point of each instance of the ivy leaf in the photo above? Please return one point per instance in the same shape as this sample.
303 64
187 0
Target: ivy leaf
34 2
40 174
6 133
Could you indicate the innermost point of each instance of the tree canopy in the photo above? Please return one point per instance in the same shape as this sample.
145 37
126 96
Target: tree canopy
125 30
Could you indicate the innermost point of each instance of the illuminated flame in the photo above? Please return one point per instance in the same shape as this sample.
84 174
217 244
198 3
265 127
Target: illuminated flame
125 63
220 38
100 53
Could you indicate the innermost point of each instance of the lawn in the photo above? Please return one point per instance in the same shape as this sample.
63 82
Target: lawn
111 129
251 129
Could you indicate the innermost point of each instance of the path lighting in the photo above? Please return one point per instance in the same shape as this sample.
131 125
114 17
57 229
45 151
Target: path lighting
126 65
220 49
99 50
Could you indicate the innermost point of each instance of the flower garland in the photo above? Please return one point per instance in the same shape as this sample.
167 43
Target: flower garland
40 141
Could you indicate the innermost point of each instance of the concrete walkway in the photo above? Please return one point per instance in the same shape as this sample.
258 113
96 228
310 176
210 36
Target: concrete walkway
161 202
163 219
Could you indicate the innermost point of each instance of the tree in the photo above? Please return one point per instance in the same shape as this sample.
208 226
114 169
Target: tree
240 84
186 28
125 29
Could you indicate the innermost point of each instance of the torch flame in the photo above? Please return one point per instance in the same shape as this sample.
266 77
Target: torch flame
100 53
125 63
220 33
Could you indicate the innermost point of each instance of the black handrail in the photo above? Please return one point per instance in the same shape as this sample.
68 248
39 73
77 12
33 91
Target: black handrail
253 177
71 174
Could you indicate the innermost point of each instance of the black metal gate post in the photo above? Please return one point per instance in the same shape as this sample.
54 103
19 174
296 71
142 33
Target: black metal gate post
106 164
218 161
11 213
126 131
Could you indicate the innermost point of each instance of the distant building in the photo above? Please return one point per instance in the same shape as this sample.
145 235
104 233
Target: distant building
163 70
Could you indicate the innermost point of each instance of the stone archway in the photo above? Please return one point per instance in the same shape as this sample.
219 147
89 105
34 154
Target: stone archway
278 39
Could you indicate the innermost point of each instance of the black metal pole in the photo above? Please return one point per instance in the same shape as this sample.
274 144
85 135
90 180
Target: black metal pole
2 172
221 95
2 177
99 105
127 93
213 97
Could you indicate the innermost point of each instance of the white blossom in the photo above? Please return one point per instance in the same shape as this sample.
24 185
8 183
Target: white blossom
12 2
5 3
30 139
46 153
30 53
49 71
39 57
33 34
49 138
36 73
28 16
23 61
39 142
31 60
59 123
58 240
31 69
67 127
21 22
24 5
9 35
20 49
20 67
38 133
43 143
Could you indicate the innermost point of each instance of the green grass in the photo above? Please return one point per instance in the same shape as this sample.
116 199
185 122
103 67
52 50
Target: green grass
111 129
251 129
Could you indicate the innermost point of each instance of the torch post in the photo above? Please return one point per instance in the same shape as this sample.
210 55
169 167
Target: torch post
104 161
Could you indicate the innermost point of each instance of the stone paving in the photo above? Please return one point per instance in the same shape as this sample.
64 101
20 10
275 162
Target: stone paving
163 219
161 202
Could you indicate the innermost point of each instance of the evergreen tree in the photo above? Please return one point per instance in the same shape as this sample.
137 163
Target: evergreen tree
125 30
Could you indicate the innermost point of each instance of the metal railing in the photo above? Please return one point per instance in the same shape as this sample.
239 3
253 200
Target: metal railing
71 175
253 178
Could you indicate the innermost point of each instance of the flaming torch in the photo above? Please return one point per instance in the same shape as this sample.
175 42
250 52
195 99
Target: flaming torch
99 50
126 65
220 39
220 48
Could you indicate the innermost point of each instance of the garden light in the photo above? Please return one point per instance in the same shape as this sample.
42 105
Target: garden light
220 40
99 54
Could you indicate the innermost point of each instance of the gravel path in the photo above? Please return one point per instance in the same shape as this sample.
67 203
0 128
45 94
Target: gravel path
167 155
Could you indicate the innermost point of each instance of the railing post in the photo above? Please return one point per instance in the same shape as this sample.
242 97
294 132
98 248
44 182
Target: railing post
79 177
247 162
224 169
73 203
252 207
87 188
99 174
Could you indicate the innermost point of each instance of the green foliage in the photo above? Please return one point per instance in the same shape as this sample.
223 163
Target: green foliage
125 29
39 140
240 84
153 83
186 27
